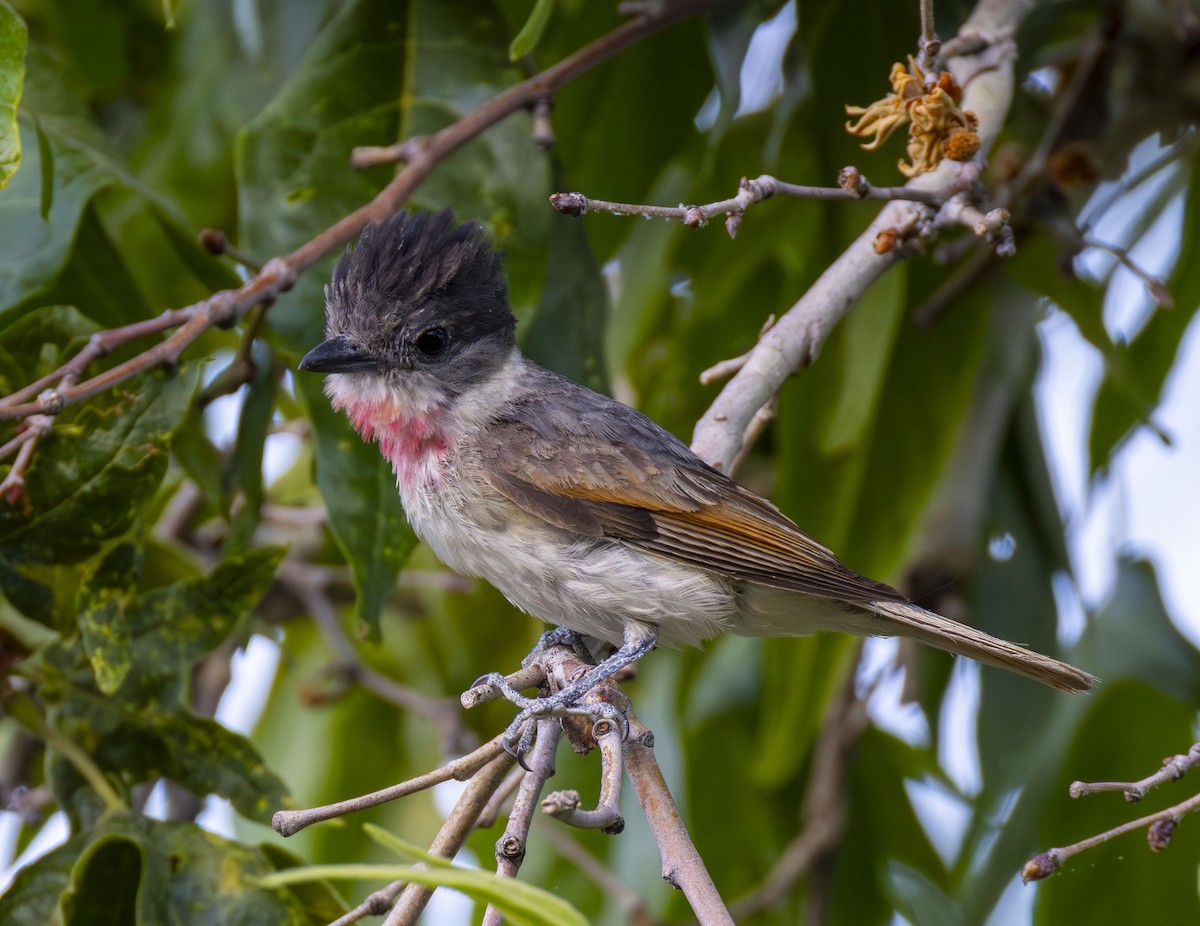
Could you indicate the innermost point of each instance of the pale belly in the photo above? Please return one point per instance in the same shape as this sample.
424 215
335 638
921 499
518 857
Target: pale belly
590 585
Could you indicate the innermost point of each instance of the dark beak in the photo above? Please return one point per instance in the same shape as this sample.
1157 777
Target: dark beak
337 355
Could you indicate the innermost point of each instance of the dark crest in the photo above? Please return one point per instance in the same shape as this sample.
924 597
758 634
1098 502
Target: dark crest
415 272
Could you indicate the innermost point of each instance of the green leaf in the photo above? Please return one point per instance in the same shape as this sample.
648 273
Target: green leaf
258 410
104 624
141 872
172 627
91 473
526 40
292 159
521 903
362 502
40 342
32 898
140 726
12 76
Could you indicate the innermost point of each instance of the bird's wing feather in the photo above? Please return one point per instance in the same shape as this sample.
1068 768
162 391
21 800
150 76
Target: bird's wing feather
613 473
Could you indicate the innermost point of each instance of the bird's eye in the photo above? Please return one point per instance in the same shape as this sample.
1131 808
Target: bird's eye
432 342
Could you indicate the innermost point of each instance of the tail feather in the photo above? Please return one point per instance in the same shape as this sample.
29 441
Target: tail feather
909 620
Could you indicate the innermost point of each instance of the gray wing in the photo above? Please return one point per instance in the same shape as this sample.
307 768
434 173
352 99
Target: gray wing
598 468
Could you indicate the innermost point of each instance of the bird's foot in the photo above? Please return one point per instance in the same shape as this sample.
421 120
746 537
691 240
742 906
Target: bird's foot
518 738
560 636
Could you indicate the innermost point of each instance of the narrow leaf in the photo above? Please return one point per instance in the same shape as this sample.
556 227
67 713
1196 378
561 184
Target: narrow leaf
526 40
12 77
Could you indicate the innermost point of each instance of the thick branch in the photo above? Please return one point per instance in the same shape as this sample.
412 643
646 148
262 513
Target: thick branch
797 338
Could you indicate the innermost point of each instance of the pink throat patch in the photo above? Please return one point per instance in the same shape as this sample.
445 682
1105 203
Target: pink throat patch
409 442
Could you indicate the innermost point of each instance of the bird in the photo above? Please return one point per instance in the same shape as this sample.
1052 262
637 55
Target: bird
578 508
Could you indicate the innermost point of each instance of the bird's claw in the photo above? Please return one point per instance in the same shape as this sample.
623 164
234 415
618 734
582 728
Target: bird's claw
501 684
518 738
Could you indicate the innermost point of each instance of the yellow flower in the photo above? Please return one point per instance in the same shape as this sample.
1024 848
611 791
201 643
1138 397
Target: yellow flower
937 127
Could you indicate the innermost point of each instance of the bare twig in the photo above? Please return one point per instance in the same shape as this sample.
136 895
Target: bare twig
682 866
217 243
451 836
495 806
530 676
13 484
510 847
290 822
564 805
929 44
749 193
1157 288
1173 768
59 389
1160 826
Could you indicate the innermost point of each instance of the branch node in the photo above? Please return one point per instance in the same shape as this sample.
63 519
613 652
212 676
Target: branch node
1042 865
511 847
283 272
52 401
572 204
851 179
543 129
1160 833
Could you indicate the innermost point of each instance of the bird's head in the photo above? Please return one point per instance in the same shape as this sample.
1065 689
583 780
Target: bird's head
417 312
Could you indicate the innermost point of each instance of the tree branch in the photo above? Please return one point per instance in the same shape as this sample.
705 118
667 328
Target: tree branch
797 338
1161 825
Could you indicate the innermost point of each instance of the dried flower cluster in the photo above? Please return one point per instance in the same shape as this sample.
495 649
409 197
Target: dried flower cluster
937 127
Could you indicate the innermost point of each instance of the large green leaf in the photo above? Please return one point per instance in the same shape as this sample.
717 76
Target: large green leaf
140 872
12 76
124 699
292 160
99 463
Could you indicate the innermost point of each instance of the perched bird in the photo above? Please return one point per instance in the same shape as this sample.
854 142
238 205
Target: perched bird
581 510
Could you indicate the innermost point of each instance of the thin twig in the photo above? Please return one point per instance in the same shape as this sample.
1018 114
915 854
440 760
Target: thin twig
749 192
495 807
682 866
13 484
564 805
929 44
1157 288
1173 768
452 835
1161 825
799 335
510 847
290 822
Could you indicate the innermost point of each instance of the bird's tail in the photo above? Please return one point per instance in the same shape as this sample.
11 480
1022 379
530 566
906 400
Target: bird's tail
909 620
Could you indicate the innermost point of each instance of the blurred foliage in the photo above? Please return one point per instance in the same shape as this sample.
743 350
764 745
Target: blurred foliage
144 547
